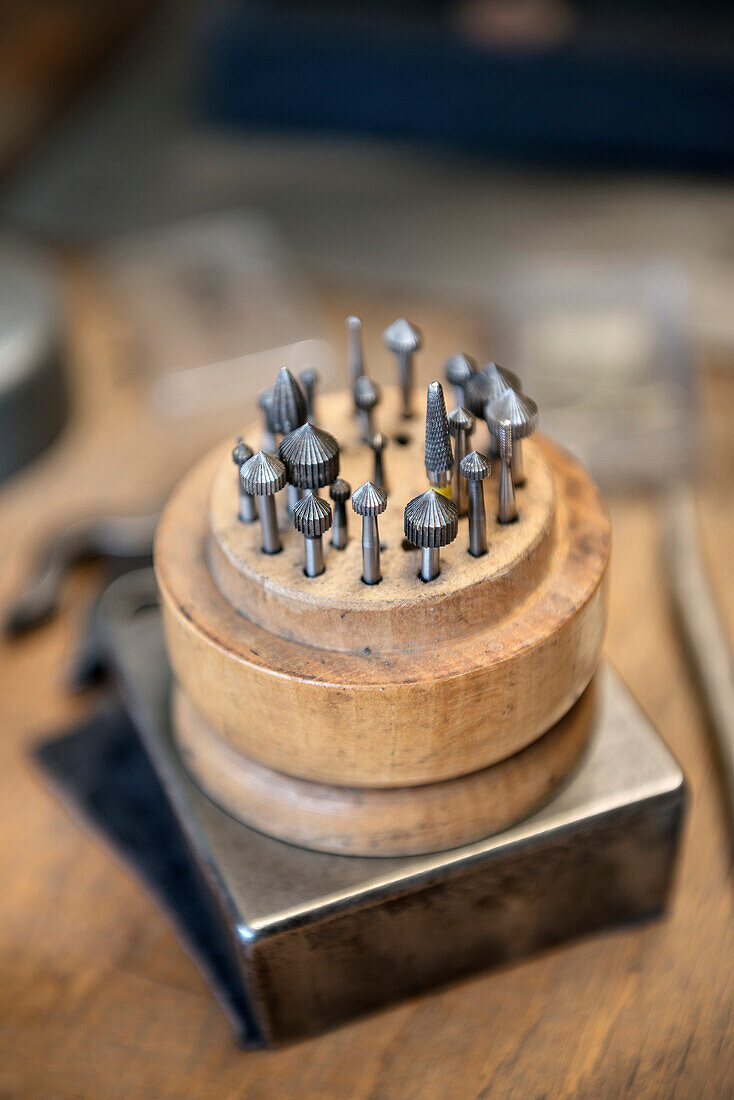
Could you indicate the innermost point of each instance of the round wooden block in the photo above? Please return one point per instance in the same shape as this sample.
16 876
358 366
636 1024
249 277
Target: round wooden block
337 611
399 684
382 822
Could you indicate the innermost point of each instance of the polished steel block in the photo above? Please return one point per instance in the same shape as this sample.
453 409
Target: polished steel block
316 939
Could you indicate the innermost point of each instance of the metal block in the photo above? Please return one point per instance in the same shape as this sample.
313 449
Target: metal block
316 939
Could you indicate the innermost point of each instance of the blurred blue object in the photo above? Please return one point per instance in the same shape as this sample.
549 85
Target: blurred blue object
595 91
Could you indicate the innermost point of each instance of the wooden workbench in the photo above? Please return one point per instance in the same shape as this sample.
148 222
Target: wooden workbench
97 998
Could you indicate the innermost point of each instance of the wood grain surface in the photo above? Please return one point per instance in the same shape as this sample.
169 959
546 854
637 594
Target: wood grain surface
97 997
395 821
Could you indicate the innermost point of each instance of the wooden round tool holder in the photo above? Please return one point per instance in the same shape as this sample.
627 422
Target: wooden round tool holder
393 719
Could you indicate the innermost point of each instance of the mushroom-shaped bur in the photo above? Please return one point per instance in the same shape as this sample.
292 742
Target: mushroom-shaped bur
461 426
430 521
458 369
311 457
312 517
439 455
522 413
340 493
263 476
369 501
366 395
474 469
240 454
403 340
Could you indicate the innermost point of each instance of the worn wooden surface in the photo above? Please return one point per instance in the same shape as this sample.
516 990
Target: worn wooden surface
97 998
400 821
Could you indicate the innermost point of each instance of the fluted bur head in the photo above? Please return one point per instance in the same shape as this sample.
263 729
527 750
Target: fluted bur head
311 457
366 393
402 337
369 500
288 402
263 475
439 455
340 491
241 452
459 368
460 421
487 384
312 516
475 466
431 520
521 411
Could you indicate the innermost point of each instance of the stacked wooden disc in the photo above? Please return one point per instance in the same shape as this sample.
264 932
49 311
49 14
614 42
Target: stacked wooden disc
392 719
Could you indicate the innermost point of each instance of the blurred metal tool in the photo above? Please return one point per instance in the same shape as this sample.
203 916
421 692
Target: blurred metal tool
705 640
122 540
403 340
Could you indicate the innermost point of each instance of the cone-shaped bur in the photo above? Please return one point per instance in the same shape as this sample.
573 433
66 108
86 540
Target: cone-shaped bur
458 369
484 386
312 517
439 455
366 395
311 457
522 413
369 501
340 493
263 476
355 358
403 340
461 426
378 442
506 508
289 404
474 469
309 379
247 508
430 521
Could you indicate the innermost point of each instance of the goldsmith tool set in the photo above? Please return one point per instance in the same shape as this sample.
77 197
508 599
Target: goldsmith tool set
384 634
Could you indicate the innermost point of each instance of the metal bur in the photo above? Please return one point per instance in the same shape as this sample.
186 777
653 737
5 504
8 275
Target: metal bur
369 501
340 493
461 426
439 455
263 476
430 521
240 454
312 517
403 340
474 469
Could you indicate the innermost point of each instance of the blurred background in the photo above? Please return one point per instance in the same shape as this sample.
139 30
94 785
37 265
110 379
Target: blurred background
193 193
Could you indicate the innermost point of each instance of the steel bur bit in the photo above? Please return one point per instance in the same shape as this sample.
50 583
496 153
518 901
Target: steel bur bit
522 413
240 454
403 340
309 379
484 386
378 442
340 493
507 509
312 517
355 358
311 457
366 395
265 404
369 501
458 369
263 476
461 426
288 413
439 456
430 521
475 468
